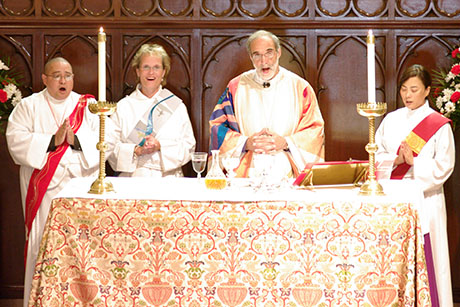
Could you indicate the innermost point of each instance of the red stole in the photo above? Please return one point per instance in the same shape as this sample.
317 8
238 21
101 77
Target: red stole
418 137
40 179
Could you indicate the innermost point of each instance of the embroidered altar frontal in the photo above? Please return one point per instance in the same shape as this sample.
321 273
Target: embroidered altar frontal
100 252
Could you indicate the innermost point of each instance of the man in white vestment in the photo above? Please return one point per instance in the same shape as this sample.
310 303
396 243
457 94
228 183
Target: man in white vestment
153 130
400 138
52 136
268 116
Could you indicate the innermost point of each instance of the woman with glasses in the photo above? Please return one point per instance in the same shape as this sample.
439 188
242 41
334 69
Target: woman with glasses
52 136
268 112
154 133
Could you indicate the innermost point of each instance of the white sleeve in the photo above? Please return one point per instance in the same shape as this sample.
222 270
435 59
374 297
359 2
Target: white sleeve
177 140
433 169
384 152
27 147
121 155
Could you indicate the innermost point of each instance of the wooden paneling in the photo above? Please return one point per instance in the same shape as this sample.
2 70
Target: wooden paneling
322 41
12 231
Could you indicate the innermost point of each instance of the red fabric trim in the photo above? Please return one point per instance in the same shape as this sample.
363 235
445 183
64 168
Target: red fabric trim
295 169
40 179
233 85
245 163
425 130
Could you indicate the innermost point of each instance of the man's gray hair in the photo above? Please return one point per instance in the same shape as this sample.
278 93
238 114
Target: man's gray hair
261 33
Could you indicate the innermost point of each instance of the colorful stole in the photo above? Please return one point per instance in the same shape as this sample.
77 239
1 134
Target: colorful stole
223 122
149 128
40 179
418 137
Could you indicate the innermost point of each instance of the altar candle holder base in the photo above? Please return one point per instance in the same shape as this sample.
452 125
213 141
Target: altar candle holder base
371 111
103 109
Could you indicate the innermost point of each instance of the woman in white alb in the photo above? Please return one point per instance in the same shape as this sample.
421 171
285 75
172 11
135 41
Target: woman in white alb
400 139
155 136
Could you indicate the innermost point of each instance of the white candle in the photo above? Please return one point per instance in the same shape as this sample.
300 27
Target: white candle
101 64
370 67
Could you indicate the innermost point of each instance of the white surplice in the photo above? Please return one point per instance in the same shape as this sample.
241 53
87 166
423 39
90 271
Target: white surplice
31 126
432 167
171 127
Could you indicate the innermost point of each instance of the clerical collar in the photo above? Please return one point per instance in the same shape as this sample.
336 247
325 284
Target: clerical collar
54 100
156 95
424 106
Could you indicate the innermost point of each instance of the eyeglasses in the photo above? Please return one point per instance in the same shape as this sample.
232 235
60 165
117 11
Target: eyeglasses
268 55
155 68
57 77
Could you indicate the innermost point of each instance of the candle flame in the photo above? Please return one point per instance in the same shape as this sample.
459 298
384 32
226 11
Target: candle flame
370 37
101 30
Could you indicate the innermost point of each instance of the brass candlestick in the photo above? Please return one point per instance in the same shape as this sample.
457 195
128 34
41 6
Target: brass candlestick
371 111
102 108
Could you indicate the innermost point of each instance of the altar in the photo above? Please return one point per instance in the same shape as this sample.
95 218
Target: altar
172 242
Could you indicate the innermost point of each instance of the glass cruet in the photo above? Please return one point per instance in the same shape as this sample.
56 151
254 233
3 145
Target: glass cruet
215 178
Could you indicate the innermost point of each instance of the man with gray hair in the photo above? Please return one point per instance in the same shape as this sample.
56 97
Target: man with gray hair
52 136
268 112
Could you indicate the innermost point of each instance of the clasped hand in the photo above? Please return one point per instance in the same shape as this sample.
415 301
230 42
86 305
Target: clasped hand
64 132
151 145
266 141
405 154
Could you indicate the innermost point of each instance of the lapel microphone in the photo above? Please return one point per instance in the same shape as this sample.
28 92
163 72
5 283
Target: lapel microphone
266 84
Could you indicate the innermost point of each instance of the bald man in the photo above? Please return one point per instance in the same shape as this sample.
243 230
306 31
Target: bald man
52 136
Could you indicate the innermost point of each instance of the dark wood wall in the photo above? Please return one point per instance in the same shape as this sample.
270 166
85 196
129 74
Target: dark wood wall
322 40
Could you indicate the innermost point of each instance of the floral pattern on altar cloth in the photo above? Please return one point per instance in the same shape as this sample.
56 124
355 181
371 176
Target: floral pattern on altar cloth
191 253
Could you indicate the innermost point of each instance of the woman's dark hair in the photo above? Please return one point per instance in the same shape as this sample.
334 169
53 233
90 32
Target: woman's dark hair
416 71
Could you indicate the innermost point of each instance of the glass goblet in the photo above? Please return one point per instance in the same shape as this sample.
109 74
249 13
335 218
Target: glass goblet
199 160
263 165
230 163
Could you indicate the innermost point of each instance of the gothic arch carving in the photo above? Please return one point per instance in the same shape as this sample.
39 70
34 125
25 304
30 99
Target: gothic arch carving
20 60
173 49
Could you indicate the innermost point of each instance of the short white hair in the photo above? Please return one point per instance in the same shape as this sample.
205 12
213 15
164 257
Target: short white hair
261 33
